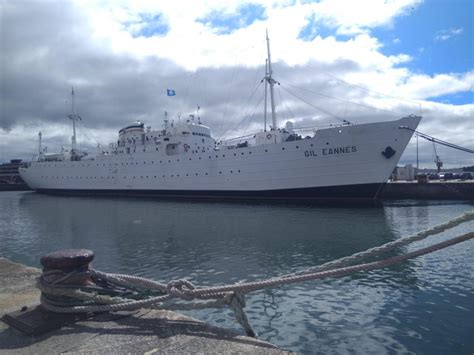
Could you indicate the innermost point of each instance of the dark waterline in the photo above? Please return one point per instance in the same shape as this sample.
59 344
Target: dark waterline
423 306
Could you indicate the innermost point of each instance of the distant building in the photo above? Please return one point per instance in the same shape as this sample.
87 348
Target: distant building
10 179
405 173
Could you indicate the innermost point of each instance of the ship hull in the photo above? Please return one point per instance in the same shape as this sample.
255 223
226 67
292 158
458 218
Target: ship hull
346 194
341 164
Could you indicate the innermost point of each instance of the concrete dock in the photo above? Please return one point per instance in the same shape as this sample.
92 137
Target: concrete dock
432 190
145 331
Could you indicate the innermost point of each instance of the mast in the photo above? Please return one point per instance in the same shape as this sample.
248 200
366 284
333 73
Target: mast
265 107
73 117
269 79
73 143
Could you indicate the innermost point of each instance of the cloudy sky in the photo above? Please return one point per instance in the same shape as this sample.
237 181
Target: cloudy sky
362 61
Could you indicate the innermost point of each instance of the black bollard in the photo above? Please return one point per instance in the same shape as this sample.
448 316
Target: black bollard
64 267
62 262
67 260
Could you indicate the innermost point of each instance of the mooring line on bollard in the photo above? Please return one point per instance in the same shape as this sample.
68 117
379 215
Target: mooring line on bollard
84 290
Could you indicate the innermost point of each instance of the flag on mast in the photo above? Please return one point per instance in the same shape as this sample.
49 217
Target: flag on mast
170 92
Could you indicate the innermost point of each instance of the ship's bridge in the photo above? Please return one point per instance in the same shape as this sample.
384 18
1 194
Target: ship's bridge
134 127
196 130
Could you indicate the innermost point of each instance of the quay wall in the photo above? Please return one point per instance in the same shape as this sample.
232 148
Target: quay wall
455 190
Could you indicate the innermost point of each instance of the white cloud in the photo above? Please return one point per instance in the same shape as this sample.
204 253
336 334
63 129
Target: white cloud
120 77
193 45
444 35
421 86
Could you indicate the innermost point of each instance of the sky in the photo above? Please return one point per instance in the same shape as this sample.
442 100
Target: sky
361 61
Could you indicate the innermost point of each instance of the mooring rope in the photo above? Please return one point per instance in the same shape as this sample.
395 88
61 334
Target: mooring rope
97 291
466 217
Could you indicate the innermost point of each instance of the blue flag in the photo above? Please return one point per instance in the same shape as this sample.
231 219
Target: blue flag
170 92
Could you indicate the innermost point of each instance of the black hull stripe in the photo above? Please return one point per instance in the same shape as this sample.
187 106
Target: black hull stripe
355 194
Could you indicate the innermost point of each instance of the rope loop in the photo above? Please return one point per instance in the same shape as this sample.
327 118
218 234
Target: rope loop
181 289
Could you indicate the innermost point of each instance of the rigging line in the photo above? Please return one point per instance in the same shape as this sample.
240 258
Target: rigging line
223 122
248 115
314 106
224 114
347 101
283 103
248 102
86 130
313 66
252 113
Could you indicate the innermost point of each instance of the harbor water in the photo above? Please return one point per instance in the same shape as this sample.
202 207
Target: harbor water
425 305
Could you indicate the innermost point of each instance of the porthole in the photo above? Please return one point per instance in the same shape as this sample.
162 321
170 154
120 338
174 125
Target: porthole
283 148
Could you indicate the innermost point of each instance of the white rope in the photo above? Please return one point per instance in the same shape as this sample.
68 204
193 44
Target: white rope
231 295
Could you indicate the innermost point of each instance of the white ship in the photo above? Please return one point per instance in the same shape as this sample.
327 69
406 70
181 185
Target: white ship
346 163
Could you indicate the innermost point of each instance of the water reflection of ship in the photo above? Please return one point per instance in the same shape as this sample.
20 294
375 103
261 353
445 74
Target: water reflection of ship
209 242
285 238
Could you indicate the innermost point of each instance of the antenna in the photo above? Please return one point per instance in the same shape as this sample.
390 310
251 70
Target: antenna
72 94
166 120
40 150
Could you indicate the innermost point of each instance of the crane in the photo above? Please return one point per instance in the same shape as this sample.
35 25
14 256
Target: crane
438 162
435 141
